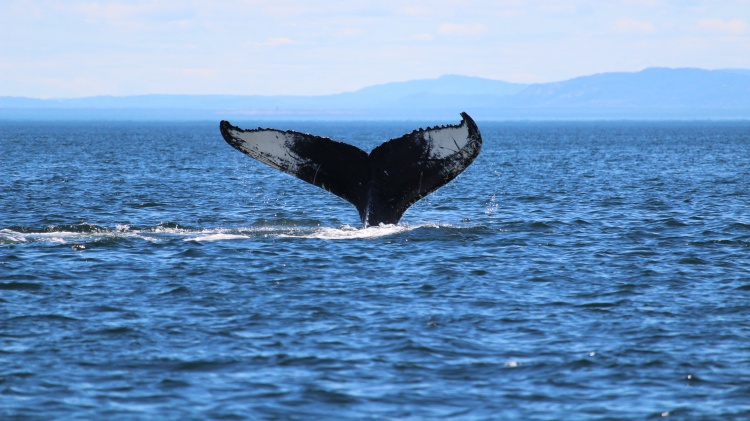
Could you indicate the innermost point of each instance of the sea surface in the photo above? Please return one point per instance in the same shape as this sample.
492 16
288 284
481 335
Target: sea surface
577 270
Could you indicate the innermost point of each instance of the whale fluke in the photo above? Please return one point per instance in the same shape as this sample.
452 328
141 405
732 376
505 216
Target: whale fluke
382 184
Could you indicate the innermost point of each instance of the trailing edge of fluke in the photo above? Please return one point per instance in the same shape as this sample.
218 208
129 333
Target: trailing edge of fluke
382 184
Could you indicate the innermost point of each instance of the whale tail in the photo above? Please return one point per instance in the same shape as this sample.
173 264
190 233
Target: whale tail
382 184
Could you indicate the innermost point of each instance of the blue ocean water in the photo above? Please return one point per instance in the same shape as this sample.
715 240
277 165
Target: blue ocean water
574 271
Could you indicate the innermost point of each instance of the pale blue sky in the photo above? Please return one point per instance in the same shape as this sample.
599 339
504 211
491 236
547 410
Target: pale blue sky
74 48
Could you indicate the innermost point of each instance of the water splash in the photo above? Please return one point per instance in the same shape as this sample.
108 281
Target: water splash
347 232
70 234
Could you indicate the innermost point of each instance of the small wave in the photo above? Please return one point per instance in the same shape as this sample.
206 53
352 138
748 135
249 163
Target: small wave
60 234
177 290
739 226
170 228
147 205
8 236
75 228
46 317
20 286
202 365
285 222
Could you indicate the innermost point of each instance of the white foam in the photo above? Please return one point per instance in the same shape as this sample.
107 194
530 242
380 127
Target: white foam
168 230
217 237
161 234
10 236
347 232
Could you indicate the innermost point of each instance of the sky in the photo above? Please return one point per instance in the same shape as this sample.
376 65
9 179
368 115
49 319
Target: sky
79 48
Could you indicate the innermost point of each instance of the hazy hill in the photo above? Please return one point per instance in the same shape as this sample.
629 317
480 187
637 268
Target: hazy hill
444 85
655 93
653 88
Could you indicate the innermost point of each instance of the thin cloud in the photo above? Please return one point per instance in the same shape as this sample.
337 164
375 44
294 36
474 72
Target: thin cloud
565 8
129 14
111 11
417 11
731 26
275 42
423 37
199 72
462 29
510 13
649 3
350 32
633 26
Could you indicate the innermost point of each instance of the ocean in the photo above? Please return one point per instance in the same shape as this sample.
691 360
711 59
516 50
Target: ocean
577 270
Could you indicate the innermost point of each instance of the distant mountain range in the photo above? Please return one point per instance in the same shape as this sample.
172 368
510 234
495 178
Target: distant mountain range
654 93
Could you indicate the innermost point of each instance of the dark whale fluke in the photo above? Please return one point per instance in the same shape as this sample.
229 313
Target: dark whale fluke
383 184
